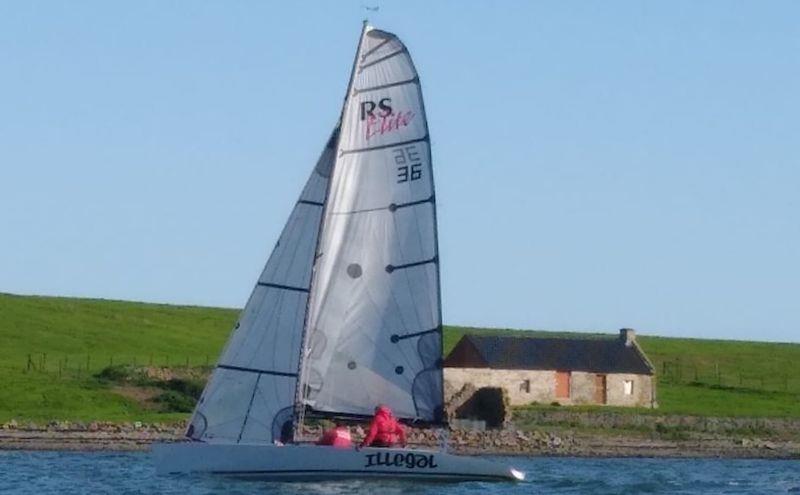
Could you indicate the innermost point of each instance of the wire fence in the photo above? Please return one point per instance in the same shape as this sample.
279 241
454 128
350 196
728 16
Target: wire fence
671 371
716 374
85 364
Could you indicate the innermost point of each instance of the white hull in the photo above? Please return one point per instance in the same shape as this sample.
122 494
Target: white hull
310 462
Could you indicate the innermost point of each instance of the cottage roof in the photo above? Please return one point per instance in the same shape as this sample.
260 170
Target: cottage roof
561 354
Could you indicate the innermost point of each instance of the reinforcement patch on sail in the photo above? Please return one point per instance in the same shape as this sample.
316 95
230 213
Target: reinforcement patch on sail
374 318
254 383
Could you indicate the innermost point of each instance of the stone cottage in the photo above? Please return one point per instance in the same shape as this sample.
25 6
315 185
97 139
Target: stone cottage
570 371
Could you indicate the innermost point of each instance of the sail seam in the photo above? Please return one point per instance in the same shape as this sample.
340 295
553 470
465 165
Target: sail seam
283 287
391 268
382 59
396 338
249 407
307 202
256 370
384 86
383 146
375 49
392 207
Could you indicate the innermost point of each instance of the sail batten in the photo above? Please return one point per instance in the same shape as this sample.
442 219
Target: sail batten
384 146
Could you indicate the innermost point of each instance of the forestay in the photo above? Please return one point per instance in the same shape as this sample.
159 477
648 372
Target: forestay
374 322
251 394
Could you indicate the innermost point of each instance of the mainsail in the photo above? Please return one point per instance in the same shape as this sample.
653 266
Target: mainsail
373 333
251 394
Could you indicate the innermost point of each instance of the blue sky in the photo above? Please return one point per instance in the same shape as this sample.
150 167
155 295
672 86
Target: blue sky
598 164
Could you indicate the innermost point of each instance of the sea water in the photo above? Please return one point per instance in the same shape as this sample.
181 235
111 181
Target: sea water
133 473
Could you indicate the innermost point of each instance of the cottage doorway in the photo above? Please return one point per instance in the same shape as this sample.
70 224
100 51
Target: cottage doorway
600 394
562 384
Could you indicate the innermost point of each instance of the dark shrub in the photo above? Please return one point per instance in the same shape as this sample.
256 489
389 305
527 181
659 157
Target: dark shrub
172 401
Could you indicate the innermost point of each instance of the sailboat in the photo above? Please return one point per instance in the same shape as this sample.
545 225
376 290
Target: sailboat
346 314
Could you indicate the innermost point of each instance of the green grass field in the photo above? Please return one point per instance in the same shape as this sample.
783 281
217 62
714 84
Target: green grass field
51 349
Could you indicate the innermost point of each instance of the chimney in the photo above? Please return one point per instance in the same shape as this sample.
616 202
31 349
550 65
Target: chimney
627 336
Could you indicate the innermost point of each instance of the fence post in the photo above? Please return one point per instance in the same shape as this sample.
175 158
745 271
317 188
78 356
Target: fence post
29 362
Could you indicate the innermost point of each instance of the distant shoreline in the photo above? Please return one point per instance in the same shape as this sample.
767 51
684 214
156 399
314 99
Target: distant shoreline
124 438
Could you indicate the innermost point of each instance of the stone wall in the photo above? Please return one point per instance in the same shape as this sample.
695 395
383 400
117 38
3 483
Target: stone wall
542 383
527 386
642 395
611 420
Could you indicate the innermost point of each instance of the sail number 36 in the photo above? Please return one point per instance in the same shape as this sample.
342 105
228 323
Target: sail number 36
409 163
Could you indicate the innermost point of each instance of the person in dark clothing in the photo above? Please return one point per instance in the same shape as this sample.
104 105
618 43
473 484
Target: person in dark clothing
385 430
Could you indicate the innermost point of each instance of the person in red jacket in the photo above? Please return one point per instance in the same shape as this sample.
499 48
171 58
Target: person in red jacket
338 436
385 430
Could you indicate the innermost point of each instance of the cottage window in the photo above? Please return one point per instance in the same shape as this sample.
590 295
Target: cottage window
525 386
627 387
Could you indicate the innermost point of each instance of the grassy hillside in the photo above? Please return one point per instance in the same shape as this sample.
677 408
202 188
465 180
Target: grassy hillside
72 335
51 350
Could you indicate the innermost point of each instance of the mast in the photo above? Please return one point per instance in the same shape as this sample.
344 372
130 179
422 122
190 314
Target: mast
299 412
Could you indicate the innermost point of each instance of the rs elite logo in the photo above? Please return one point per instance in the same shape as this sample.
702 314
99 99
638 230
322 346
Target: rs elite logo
381 119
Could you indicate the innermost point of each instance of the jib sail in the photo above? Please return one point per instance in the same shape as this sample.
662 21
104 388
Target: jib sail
251 394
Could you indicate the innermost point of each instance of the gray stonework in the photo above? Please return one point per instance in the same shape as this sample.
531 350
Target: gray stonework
643 388
527 386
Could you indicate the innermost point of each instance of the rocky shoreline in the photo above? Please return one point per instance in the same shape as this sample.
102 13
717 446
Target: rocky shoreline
103 436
